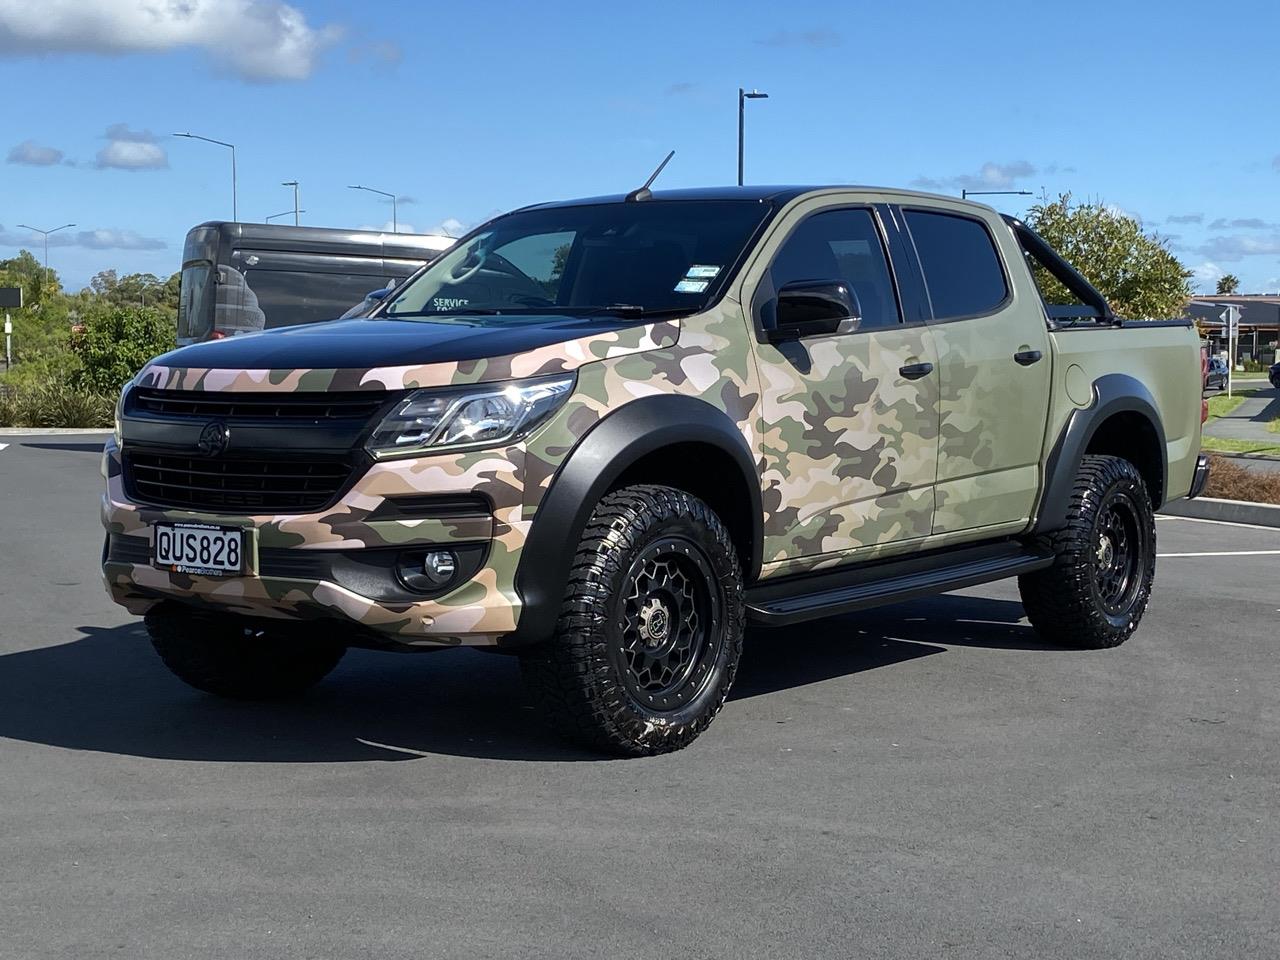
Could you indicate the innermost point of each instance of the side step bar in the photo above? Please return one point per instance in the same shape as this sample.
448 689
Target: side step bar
795 599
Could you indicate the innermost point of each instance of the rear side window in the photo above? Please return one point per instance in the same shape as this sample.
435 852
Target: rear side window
288 298
961 267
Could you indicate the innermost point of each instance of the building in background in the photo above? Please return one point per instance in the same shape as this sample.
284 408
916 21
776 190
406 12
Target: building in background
1259 326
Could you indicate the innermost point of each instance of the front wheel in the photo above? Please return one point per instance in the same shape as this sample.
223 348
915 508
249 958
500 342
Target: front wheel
650 631
230 657
1097 590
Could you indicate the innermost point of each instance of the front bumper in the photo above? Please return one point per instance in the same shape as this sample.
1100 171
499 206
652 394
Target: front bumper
338 564
1200 478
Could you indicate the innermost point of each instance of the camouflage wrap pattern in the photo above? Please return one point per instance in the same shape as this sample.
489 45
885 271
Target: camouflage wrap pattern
556 358
477 612
853 460
849 446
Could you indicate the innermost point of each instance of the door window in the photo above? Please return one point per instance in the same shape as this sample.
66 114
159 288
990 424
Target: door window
841 245
961 267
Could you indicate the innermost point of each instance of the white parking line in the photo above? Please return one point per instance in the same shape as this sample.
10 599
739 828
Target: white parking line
1221 523
3 445
1225 553
387 746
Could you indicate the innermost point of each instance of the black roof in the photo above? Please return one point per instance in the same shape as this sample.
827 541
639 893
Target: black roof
783 193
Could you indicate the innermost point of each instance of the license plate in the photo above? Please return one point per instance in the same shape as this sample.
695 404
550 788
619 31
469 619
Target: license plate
199 548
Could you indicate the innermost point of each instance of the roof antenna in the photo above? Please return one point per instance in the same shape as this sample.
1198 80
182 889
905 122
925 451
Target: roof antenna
644 193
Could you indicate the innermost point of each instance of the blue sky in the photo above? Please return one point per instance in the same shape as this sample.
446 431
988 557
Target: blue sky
1165 110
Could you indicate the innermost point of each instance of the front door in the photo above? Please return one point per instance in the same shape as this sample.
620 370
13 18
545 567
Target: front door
849 423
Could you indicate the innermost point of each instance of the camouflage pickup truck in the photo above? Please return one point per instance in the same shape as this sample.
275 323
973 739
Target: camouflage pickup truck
606 435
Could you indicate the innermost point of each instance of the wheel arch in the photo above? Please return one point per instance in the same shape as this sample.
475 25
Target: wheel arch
1123 421
670 439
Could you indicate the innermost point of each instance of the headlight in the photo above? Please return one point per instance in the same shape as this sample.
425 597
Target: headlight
124 392
484 415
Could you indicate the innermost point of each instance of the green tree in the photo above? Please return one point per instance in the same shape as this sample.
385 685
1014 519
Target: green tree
1135 271
1228 285
136 290
113 343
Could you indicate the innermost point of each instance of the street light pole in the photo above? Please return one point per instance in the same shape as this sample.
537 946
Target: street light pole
395 228
46 233
283 213
743 97
235 211
296 211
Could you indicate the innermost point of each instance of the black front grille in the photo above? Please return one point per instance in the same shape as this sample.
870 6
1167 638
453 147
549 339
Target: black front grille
288 406
269 483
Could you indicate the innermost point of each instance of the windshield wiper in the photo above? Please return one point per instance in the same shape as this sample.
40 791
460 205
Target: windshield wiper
452 312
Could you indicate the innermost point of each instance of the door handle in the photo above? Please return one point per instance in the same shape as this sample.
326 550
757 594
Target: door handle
914 371
1027 357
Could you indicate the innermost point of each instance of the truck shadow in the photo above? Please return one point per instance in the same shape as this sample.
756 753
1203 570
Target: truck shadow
108 692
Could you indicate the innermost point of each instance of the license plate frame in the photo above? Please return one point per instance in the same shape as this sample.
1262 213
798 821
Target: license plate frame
201 549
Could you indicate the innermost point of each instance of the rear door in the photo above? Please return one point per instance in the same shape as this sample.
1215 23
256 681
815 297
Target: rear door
994 376
849 443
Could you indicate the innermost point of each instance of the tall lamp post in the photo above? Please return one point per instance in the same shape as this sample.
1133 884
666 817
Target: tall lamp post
966 194
743 97
283 213
46 242
394 223
296 211
235 212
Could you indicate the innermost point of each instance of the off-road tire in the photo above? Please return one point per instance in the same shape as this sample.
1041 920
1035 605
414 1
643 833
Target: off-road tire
1082 600
645 551
236 658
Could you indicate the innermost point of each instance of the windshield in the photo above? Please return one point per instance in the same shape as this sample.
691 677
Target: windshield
654 256
195 303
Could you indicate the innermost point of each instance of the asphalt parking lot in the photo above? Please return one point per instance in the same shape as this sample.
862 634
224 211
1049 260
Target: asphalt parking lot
922 781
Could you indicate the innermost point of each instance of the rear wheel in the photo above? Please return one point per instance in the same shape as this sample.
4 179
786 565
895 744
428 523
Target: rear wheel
1097 590
650 631
235 658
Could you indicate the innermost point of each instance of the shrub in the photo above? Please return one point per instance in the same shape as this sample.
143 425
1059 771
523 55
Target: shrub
114 343
1230 481
54 403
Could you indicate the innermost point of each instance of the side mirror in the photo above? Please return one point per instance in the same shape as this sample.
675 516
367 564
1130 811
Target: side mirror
378 294
808 308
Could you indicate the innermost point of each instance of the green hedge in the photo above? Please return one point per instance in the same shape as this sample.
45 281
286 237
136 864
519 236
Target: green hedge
54 403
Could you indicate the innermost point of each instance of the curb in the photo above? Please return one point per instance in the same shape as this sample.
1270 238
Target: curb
1230 511
54 431
1244 456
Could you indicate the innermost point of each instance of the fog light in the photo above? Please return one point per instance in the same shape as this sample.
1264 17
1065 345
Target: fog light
428 571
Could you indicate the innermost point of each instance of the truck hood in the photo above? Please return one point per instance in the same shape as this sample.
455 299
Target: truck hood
362 354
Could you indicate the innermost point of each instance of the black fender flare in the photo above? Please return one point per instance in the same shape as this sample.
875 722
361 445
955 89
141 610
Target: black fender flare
604 453
1112 393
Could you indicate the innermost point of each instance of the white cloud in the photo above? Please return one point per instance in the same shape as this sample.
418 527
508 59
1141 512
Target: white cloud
991 176
1205 275
1187 218
131 150
102 239
261 40
1235 246
33 155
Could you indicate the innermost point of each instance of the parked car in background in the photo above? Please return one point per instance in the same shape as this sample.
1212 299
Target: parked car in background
1274 375
246 277
1215 377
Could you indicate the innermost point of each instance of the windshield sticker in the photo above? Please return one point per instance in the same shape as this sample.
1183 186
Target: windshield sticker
692 286
700 271
449 303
